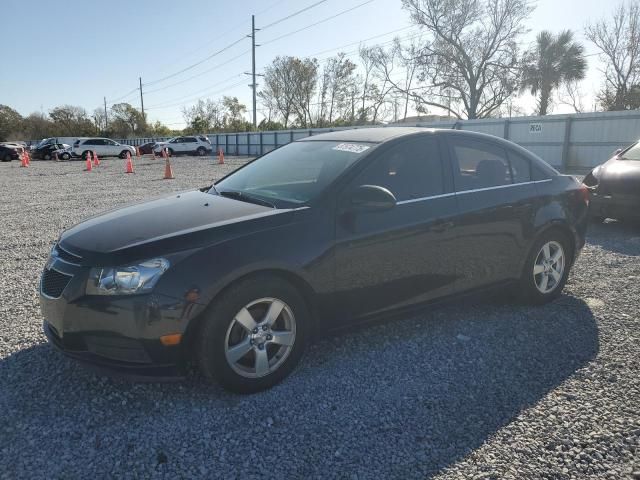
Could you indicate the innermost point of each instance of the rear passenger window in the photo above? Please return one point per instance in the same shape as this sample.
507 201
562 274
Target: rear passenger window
520 168
537 173
479 165
409 170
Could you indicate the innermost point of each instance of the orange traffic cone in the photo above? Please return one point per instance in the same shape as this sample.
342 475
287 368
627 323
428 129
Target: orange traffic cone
129 164
23 160
28 159
137 152
168 172
96 160
88 162
220 157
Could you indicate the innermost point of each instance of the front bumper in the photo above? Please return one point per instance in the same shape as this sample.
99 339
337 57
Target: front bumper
115 334
614 205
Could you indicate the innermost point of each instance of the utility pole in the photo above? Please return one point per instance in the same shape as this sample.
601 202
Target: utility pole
106 121
141 99
253 68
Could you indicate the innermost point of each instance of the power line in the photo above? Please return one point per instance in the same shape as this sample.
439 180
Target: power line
318 22
195 93
198 98
193 65
293 15
112 102
215 67
359 42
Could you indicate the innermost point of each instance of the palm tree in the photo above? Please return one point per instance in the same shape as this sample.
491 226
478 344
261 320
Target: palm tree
554 61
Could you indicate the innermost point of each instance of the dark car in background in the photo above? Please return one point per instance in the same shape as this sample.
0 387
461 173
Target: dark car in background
147 148
9 152
327 231
614 186
46 152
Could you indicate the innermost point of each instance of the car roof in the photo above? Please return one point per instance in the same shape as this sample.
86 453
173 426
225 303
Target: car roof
370 135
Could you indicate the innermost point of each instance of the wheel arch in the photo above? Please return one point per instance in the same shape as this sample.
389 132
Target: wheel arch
305 289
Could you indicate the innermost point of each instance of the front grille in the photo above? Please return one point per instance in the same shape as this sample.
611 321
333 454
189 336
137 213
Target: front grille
54 283
66 256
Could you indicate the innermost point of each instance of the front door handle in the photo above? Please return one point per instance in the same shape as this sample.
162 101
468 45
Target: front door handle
440 227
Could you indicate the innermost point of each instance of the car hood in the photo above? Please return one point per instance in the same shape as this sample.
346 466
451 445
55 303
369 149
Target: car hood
619 176
170 224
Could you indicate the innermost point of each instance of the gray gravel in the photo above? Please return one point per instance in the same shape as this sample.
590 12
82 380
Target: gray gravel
477 390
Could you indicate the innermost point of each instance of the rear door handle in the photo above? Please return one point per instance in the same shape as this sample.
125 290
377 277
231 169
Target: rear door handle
442 226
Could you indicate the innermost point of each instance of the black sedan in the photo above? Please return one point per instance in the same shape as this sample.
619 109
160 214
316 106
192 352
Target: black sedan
615 186
46 152
334 229
8 153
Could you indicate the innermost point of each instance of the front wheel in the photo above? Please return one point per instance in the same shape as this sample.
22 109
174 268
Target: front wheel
546 269
254 335
46 157
201 152
65 156
7 158
123 154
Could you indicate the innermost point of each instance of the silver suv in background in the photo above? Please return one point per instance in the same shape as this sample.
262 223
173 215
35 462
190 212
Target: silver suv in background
104 147
192 144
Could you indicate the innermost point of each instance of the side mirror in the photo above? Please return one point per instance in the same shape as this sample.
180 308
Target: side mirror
618 152
372 198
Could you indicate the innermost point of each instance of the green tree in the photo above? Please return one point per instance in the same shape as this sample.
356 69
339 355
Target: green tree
10 122
126 121
69 120
554 61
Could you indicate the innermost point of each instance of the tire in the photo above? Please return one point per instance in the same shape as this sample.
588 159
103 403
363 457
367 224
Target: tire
170 152
7 158
221 330
65 156
123 154
85 154
46 156
201 151
532 287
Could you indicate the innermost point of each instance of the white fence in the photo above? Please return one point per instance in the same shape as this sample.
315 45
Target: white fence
568 142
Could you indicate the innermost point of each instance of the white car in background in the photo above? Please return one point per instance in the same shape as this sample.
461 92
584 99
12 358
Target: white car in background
104 147
189 144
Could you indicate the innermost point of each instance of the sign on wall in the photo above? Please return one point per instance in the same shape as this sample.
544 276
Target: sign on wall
535 128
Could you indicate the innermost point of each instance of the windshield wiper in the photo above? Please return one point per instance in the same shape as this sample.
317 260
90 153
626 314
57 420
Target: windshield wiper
243 197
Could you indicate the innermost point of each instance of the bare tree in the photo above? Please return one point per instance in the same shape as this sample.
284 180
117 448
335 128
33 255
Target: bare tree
618 39
304 79
204 116
572 96
277 91
337 74
471 52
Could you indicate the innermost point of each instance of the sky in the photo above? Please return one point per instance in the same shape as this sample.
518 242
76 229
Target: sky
79 51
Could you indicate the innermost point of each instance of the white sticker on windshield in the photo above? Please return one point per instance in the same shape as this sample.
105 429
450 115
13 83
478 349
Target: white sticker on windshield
351 147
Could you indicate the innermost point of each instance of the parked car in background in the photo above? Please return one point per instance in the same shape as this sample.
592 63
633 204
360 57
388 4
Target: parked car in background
194 145
147 148
64 153
104 147
614 186
9 152
46 152
329 230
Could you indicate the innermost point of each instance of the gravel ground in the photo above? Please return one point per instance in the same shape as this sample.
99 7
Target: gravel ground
475 390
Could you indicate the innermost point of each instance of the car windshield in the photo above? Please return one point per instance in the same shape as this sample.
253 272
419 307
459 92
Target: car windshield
295 173
632 153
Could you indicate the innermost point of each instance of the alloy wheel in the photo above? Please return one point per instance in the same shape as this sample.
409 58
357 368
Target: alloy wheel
260 337
549 266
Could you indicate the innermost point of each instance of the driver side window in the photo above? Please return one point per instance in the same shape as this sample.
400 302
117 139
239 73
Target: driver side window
410 170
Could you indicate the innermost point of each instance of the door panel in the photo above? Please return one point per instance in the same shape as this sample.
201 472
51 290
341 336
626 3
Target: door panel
495 213
398 257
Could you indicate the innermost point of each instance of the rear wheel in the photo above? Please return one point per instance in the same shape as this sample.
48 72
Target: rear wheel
86 154
65 156
7 157
123 154
546 269
46 156
170 152
254 335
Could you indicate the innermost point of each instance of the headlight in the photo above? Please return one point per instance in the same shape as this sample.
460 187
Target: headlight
127 280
